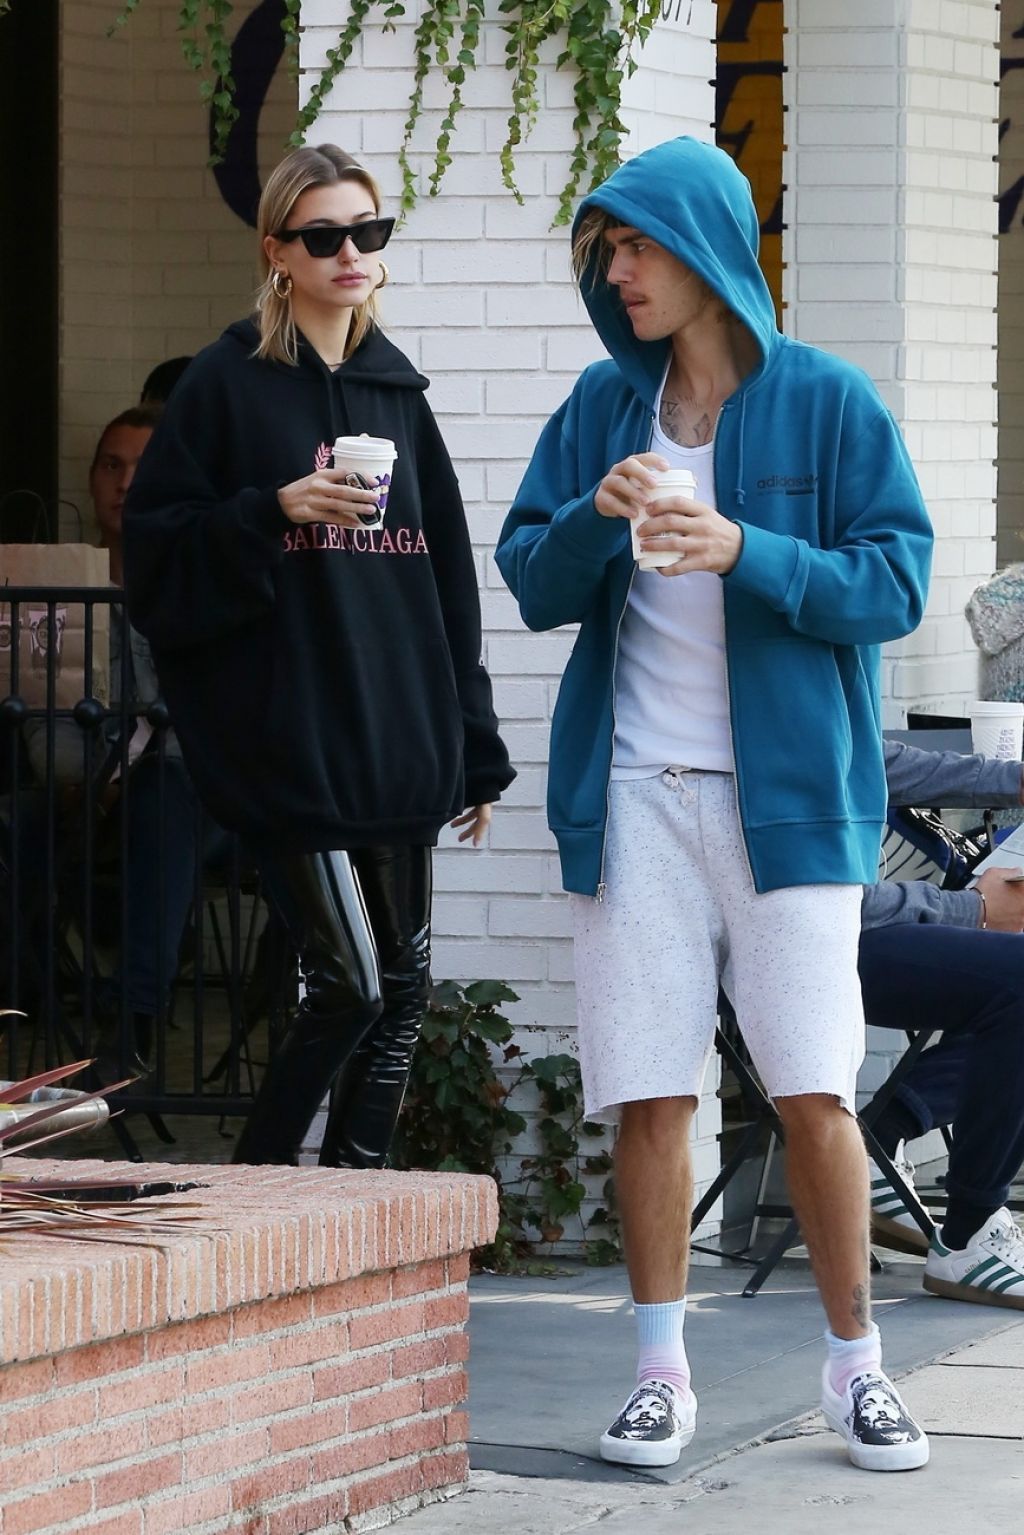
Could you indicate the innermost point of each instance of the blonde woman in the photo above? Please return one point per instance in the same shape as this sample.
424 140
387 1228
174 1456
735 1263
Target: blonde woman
324 676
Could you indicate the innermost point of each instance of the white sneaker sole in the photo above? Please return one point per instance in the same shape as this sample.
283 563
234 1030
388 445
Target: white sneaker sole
971 1292
880 1457
635 1452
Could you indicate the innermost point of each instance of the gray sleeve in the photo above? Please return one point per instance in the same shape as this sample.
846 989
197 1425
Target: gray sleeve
916 777
915 900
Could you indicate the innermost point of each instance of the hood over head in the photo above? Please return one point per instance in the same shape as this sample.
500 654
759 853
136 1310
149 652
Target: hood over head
695 202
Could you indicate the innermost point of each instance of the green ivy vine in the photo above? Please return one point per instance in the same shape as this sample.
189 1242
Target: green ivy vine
458 1116
206 48
601 38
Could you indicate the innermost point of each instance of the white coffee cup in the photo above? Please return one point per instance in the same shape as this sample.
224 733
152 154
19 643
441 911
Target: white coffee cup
997 729
671 482
372 459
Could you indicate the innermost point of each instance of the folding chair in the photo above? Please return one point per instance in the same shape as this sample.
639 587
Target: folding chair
764 1115
918 845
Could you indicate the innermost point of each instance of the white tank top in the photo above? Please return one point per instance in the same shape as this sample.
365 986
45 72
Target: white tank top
671 691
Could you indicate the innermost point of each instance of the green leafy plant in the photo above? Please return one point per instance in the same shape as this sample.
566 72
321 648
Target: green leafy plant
206 47
457 1117
601 38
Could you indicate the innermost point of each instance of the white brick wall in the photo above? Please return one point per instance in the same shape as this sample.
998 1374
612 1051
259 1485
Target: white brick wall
154 264
891 252
891 245
481 300
1011 289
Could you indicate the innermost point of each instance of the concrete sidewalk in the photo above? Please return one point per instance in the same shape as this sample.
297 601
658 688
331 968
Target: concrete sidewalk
552 1358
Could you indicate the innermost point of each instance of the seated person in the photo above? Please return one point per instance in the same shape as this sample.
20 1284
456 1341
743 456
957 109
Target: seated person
162 379
954 960
159 870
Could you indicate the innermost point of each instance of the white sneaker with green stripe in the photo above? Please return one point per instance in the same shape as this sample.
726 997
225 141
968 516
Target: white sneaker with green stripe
892 1224
988 1271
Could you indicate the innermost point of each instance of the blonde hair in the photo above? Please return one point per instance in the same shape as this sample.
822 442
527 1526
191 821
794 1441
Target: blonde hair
323 166
589 237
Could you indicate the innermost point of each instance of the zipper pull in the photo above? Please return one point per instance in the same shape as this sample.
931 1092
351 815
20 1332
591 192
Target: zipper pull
602 887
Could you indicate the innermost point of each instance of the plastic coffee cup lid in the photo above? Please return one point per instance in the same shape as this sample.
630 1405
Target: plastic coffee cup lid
993 708
676 477
365 447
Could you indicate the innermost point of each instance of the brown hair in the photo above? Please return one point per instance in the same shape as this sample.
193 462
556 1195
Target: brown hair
589 244
137 416
323 166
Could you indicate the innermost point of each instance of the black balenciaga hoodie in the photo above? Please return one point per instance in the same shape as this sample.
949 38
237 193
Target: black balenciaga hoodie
326 685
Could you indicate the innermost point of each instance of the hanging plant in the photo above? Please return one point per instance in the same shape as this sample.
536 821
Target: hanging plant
206 48
457 1118
601 39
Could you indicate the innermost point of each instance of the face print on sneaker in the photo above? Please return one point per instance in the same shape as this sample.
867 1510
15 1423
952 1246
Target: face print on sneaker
649 1414
879 1416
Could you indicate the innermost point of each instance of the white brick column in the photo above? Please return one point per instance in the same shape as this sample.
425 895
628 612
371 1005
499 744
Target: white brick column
1011 286
891 250
482 301
891 261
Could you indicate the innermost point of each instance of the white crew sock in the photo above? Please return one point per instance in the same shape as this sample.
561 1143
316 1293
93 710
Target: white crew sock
661 1351
848 1357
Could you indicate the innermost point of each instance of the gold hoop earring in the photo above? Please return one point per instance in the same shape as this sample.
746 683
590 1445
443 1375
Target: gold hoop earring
385 275
282 289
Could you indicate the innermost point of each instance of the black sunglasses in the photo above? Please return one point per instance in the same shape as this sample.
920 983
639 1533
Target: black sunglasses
327 239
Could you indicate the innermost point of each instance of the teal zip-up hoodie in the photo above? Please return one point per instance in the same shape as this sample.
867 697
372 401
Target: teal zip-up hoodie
835 558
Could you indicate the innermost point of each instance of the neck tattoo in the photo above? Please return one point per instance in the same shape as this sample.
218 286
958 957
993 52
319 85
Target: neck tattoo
684 421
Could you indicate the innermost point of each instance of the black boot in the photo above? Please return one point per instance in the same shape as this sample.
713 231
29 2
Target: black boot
368 1093
297 1080
368 1096
113 1063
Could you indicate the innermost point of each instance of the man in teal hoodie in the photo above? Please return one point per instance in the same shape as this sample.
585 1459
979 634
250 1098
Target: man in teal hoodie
716 781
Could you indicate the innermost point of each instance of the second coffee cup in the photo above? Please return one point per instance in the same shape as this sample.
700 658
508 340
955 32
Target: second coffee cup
671 482
370 461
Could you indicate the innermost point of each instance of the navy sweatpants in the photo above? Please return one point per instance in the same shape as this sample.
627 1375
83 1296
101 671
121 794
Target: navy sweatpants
969 983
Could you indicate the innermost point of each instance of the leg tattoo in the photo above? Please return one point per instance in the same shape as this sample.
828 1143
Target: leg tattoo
861 1307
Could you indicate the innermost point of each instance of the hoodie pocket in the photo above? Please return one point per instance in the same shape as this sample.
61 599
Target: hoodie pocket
792 731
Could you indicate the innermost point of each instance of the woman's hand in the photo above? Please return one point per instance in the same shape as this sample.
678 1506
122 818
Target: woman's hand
623 491
702 537
476 821
324 497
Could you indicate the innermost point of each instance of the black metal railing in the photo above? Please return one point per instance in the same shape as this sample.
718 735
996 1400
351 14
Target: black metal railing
132 928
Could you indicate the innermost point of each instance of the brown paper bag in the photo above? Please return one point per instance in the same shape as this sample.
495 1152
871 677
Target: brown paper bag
54 566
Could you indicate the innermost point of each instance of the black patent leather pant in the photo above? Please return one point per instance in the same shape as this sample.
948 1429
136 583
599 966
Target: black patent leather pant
361 924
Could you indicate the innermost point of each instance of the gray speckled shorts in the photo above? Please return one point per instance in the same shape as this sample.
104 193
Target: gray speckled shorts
680 913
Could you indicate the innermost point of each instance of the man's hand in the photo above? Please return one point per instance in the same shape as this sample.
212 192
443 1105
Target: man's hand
625 489
1004 900
703 538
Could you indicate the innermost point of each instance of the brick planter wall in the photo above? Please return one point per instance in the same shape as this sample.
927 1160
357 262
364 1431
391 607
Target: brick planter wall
294 1366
